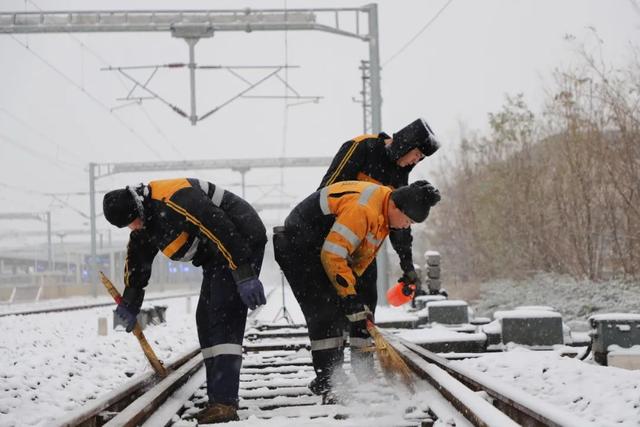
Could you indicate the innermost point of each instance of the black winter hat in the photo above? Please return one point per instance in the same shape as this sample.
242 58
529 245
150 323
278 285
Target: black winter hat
417 134
415 200
119 207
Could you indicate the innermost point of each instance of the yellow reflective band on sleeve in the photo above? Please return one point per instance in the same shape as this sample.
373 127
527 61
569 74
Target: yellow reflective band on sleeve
175 246
344 161
205 231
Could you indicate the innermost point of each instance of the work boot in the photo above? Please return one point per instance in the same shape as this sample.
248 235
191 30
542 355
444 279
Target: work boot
217 413
319 385
330 398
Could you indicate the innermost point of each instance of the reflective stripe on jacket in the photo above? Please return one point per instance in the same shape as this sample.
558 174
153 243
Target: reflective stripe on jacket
365 158
360 227
193 220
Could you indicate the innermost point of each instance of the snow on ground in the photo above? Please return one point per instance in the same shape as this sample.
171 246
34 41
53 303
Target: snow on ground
53 363
601 396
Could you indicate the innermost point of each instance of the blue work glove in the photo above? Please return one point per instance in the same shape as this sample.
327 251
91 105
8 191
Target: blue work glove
251 292
127 315
129 306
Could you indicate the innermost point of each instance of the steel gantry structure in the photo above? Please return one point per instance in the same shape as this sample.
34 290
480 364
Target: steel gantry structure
192 25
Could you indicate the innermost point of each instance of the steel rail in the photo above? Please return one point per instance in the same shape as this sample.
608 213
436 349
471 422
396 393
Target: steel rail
454 386
88 306
116 400
137 400
141 408
473 407
513 402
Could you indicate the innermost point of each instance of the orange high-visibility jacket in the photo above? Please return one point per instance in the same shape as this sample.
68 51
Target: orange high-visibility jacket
358 232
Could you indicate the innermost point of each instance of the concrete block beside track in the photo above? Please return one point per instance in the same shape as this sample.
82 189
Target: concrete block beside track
533 328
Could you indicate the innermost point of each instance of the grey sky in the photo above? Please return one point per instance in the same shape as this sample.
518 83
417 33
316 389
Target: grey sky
456 72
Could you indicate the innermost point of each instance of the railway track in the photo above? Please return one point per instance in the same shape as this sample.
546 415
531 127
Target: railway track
105 303
274 377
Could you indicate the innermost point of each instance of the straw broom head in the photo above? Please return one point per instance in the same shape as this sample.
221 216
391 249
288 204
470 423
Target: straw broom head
390 361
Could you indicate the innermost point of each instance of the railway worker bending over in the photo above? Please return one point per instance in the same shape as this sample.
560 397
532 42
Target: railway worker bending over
385 160
326 244
196 221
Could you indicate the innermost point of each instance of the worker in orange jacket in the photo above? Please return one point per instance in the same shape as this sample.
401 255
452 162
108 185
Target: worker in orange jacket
327 242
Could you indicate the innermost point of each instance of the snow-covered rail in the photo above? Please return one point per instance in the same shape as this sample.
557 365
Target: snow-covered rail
274 378
85 306
103 409
524 408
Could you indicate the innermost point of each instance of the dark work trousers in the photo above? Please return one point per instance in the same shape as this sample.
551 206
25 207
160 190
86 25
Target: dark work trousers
300 262
366 286
221 318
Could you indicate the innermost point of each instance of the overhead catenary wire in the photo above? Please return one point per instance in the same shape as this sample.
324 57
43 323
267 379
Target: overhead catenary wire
36 153
54 197
40 134
31 206
101 59
90 95
418 34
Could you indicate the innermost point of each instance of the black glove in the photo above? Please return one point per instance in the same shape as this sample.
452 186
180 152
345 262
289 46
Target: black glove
410 278
249 286
252 292
410 281
354 309
129 306
127 316
438 292
358 314
359 327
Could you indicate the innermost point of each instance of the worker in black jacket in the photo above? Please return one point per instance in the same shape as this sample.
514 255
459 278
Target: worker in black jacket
388 161
196 221
384 160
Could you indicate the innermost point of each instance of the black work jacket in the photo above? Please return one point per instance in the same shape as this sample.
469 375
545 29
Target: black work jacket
365 158
191 220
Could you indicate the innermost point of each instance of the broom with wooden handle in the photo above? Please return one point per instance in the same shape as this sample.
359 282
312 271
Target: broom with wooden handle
137 330
390 361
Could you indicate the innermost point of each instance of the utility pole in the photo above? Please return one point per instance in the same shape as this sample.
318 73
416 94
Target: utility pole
93 270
